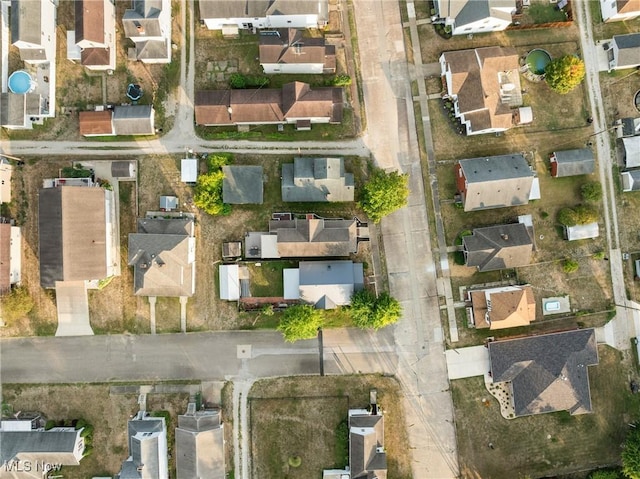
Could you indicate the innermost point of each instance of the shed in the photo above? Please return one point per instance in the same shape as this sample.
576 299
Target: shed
631 147
291 279
229 282
579 232
189 170
168 203
123 169
572 162
630 180
232 249
6 170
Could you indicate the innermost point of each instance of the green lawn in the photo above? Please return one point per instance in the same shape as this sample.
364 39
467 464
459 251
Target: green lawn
545 12
547 444
266 280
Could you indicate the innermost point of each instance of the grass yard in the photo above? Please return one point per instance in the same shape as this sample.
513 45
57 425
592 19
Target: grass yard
299 416
618 90
548 444
541 11
266 279
168 315
603 31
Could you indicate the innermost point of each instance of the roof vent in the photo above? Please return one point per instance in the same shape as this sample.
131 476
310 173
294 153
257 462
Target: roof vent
504 236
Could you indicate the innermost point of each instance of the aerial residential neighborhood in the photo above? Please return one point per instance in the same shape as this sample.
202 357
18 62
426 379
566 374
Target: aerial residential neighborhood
337 239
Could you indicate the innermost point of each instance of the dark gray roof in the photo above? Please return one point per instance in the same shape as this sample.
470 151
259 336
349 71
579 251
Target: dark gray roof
200 446
631 180
498 247
133 120
72 247
548 372
366 435
144 445
317 179
122 169
12 109
628 49
57 444
472 12
496 181
242 185
26 19
262 8
575 162
315 237
145 14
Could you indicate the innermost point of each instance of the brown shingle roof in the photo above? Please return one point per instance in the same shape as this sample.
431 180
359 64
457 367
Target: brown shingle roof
508 309
94 56
89 21
628 6
315 237
95 123
290 47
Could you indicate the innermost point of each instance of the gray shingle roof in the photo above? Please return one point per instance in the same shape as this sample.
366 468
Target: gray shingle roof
472 12
548 372
366 435
26 19
144 449
628 49
498 247
315 237
631 180
575 162
328 284
200 446
317 179
59 445
242 185
262 8
133 120
12 111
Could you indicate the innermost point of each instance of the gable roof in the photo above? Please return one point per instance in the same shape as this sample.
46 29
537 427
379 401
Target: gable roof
96 122
631 147
72 246
6 172
5 257
267 105
631 180
262 8
315 237
628 6
328 284
133 120
578 232
162 253
200 446
58 445
548 372
498 247
89 21
242 184
574 162
147 449
317 179
366 436
26 22
628 49
504 307
496 181
289 46
143 19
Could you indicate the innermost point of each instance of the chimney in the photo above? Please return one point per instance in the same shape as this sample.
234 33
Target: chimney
504 236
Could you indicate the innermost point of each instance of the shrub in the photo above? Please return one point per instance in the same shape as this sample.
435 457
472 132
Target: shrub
208 190
75 171
80 423
580 215
591 191
300 322
340 80
605 474
570 266
599 255
15 305
239 81
50 424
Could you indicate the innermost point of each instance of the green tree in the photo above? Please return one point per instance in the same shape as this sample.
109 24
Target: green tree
570 266
591 191
300 322
208 194
369 311
384 193
580 215
631 455
564 74
15 305
605 474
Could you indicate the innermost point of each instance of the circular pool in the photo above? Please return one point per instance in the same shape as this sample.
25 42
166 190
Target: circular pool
636 100
537 60
20 82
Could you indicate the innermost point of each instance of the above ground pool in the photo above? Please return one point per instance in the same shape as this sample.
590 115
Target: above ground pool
20 82
537 60
636 100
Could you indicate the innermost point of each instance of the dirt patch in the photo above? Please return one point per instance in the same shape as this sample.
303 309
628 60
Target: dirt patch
299 417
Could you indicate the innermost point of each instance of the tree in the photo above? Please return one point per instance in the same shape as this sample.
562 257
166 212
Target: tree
591 191
580 215
564 74
300 322
605 474
208 190
384 193
15 305
369 311
631 455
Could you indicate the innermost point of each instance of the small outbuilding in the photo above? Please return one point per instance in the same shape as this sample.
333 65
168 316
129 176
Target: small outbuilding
579 232
572 162
630 180
242 185
631 148
229 282
189 170
168 203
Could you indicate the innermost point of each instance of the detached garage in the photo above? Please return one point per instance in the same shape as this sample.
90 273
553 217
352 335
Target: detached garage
229 282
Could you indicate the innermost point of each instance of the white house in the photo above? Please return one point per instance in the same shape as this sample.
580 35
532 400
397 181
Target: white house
93 42
33 30
624 51
474 16
619 10
148 25
253 14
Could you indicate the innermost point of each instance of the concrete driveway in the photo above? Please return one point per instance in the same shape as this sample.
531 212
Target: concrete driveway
467 362
73 309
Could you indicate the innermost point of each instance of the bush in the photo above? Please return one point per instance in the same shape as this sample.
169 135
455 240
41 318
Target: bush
631 454
208 190
605 474
591 191
580 215
239 81
15 305
87 431
50 424
80 423
339 80
75 171
300 322
599 255
570 266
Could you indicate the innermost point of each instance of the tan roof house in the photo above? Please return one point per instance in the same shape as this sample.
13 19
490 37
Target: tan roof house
619 10
95 33
163 255
295 102
317 179
498 247
503 307
288 51
148 26
474 16
484 85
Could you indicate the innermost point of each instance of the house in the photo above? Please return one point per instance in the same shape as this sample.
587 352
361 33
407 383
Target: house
147 438
619 10
498 247
200 444
502 307
367 458
465 17
242 184
229 275
33 30
546 373
232 15
624 51
148 25
304 238
572 162
630 180
294 103
317 179
163 256
631 151
10 256
287 51
189 170
27 451
133 120
324 284
484 86
6 171
495 182
93 42
579 232
96 123
17 109
76 226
